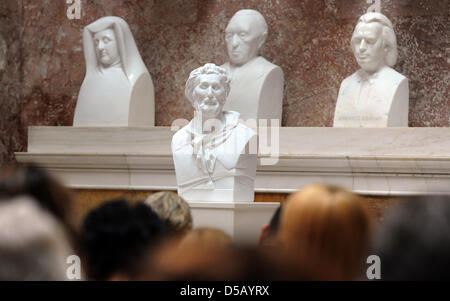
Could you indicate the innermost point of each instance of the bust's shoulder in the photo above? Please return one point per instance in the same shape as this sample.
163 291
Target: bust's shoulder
243 130
180 137
265 64
391 75
350 79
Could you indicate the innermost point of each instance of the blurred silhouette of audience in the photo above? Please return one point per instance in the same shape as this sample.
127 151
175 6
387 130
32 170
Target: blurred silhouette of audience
33 243
195 260
206 237
173 210
117 238
48 192
319 233
325 232
414 241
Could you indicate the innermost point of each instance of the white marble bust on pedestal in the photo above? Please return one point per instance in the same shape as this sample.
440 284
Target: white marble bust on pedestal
117 89
211 157
376 95
256 84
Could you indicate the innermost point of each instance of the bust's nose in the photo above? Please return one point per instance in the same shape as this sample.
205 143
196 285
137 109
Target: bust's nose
363 45
235 41
100 45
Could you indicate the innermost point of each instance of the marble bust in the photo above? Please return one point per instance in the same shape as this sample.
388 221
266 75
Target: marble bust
256 84
210 154
117 89
376 95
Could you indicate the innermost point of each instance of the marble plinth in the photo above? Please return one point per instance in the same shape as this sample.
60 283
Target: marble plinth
242 221
383 161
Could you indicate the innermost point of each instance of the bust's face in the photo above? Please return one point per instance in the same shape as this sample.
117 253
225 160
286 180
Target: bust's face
106 48
242 38
368 46
209 95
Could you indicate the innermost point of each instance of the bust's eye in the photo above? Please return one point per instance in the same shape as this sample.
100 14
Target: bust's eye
228 36
106 40
204 86
242 34
96 42
216 87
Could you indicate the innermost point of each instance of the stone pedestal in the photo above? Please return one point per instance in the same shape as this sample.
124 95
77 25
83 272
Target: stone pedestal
242 221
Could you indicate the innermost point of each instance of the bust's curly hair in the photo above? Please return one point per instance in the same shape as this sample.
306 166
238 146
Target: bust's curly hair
209 68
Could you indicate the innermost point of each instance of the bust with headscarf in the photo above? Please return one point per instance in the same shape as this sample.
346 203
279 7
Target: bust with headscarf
117 89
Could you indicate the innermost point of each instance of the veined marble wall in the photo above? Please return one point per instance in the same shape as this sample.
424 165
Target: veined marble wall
11 130
309 39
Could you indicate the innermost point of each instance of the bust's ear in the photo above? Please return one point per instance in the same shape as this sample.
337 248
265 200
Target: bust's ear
262 40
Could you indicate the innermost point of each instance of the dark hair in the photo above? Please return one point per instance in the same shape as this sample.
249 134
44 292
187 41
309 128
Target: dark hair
116 236
414 242
275 221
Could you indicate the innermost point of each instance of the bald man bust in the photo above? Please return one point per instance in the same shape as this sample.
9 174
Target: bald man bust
256 84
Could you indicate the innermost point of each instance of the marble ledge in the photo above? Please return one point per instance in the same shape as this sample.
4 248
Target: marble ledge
398 161
292 141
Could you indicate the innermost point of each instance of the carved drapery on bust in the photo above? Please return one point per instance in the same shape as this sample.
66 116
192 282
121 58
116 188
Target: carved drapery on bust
210 158
117 89
256 84
376 95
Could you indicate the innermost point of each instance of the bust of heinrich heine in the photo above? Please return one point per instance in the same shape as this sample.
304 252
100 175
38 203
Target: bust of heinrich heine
376 95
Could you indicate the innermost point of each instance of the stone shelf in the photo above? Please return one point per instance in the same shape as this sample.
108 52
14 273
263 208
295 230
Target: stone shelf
384 161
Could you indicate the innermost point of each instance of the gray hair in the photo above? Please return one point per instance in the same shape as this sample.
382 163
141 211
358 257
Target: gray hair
209 68
388 35
33 244
172 209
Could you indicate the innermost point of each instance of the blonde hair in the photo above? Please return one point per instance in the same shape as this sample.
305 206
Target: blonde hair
325 230
172 209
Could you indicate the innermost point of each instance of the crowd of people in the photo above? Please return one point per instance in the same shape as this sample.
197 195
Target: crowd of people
318 233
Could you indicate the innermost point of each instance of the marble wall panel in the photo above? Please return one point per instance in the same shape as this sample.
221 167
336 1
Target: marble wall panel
11 130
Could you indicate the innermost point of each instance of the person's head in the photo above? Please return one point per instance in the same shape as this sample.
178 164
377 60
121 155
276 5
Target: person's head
207 237
269 231
374 43
47 191
325 230
413 243
195 261
207 89
245 35
33 244
116 237
172 209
